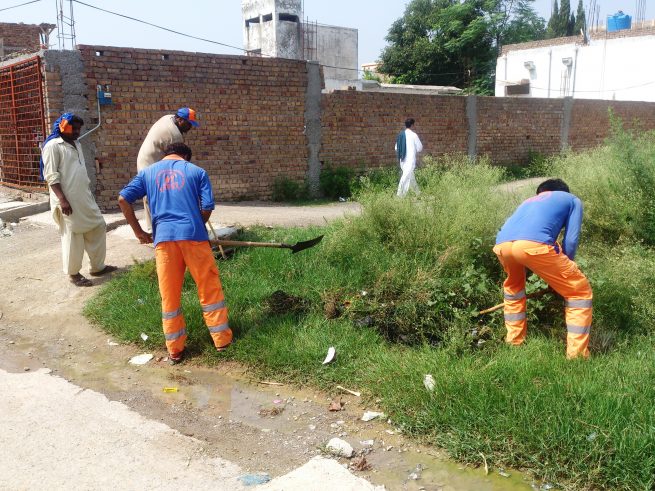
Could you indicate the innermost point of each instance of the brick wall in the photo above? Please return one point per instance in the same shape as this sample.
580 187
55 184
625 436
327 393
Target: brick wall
251 114
254 113
508 129
590 124
359 129
20 37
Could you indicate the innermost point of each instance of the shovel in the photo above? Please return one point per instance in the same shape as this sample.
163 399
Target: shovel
297 247
537 294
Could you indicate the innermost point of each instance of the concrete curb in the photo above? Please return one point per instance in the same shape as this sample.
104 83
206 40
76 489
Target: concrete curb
21 211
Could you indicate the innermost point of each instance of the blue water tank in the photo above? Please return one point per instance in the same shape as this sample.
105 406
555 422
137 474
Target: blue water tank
618 22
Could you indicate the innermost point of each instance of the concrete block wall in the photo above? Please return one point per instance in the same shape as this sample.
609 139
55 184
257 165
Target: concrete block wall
251 114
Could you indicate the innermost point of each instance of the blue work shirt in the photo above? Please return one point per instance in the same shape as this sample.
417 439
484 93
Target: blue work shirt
541 219
177 190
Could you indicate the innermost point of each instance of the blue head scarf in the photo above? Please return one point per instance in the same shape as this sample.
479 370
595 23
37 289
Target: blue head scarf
62 123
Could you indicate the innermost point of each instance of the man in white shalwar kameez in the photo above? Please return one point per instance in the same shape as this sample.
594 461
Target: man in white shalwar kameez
167 130
73 207
408 146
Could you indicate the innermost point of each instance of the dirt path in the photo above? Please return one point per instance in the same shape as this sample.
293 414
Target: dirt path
42 326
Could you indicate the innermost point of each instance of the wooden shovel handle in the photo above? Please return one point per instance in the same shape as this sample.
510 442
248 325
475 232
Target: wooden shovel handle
539 293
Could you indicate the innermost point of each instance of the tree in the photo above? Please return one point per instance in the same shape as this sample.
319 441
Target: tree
563 22
580 19
456 42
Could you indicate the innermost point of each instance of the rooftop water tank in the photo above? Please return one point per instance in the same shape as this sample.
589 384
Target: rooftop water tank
618 22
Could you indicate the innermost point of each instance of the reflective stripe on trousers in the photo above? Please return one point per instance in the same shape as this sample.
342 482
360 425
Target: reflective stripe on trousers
561 274
173 258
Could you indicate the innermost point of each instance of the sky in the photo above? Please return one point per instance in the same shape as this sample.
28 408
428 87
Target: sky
220 20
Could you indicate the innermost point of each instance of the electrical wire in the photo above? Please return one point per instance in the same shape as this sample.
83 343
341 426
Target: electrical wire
19 5
228 45
159 27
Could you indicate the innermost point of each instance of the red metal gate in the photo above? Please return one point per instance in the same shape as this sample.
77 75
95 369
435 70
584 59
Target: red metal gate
22 123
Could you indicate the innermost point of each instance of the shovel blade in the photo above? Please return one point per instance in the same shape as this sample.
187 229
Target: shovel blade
301 246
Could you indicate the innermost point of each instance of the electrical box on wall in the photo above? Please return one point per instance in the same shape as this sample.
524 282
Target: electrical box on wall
104 95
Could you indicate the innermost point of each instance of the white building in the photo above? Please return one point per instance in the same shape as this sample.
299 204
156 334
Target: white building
276 28
612 66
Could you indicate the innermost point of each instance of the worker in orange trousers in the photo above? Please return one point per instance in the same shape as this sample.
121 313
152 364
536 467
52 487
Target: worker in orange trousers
528 239
181 202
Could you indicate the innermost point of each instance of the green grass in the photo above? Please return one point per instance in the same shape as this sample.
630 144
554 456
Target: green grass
426 267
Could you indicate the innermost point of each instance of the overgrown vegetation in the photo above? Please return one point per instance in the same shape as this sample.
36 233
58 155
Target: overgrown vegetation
335 182
286 189
396 291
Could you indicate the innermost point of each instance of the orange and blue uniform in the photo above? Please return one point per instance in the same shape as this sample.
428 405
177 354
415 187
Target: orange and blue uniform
528 239
177 191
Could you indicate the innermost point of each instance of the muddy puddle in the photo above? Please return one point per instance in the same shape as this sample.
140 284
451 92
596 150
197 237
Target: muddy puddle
263 428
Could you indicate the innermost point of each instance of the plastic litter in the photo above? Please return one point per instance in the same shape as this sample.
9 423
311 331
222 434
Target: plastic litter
352 392
367 443
254 479
371 415
144 336
429 382
112 343
141 359
592 436
330 355
170 389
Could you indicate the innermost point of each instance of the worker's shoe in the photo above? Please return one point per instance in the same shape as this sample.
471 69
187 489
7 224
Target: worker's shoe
223 348
175 359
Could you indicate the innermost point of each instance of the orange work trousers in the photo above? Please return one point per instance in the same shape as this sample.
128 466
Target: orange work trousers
173 258
562 275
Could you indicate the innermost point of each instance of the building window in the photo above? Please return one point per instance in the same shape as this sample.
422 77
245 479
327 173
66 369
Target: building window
254 20
521 88
288 17
267 18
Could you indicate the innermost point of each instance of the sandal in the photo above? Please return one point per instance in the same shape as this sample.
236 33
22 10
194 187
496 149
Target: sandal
105 270
175 359
79 280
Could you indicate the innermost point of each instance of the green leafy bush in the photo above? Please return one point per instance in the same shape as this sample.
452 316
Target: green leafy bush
335 182
286 189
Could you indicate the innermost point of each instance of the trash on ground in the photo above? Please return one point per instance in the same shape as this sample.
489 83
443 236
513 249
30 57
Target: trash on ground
390 432
271 411
140 301
278 401
415 475
141 359
340 448
592 436
144 336
254 479
352 392
263 382
170 389
360 464
502 473
486 466
336 405
367 443
112 343
371 415
429 383
330 355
